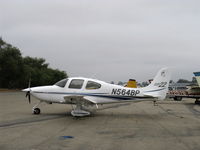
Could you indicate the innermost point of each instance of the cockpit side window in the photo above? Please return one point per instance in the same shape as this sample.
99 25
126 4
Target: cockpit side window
76 84
61 83
92 85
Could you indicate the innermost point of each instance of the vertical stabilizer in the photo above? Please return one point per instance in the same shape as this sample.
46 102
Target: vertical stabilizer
159 86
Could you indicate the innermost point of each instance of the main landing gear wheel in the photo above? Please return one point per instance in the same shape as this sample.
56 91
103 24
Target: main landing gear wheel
36 111
197 102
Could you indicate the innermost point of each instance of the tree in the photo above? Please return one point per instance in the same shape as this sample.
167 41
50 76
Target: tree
10 65
183 81
112 82
145 84
120 83
15 70
40 74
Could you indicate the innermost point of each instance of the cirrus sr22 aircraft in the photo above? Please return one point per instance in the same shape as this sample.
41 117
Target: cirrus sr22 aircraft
85 92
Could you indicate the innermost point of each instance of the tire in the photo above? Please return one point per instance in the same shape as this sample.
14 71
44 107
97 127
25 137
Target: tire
36 111
177 98
197 102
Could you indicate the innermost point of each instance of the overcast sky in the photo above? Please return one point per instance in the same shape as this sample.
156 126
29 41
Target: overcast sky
109 40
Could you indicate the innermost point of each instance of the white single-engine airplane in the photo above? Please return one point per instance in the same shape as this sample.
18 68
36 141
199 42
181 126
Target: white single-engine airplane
84 92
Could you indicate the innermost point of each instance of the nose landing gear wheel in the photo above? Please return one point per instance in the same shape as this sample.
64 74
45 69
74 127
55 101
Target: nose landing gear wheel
36 111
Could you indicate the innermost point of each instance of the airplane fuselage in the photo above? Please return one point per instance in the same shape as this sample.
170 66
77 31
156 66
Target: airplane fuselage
107 93
88 92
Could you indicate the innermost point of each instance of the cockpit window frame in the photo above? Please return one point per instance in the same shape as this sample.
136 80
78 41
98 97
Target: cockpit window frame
92 87
62 83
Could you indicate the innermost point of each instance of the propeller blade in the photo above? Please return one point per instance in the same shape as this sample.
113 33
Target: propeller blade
28 91
29 98
28 94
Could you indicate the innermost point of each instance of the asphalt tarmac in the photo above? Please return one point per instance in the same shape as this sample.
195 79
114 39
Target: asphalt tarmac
171 125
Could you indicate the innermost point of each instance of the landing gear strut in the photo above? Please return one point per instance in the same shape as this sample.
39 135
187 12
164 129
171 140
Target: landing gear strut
35 109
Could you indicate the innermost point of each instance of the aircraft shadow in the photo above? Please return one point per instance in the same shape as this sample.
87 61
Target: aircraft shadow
38 118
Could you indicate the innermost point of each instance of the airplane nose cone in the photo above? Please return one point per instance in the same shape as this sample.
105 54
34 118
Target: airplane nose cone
26 90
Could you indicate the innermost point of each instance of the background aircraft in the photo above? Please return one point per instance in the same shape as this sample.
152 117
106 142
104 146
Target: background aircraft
195 90
131 83
84 92
192 91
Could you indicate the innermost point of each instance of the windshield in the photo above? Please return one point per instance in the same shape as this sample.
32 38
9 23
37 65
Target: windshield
61 83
